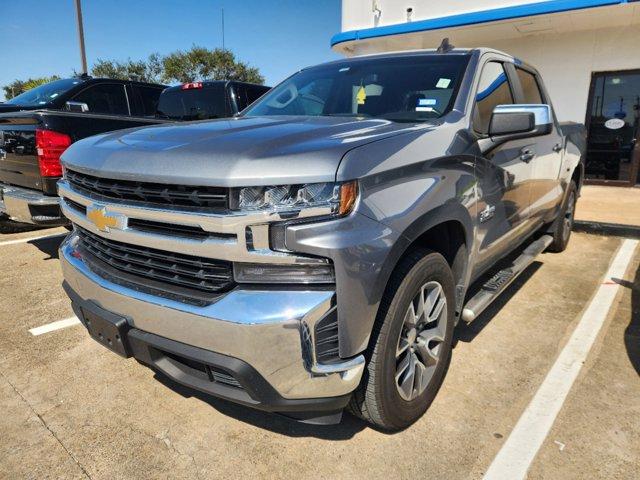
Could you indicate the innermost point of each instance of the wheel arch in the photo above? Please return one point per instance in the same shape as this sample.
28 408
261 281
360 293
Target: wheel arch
447 230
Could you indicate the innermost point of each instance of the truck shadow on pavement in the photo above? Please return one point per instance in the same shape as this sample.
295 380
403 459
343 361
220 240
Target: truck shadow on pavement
48 246
345 430
466 332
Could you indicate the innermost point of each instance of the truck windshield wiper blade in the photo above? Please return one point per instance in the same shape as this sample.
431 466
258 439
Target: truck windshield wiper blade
351 115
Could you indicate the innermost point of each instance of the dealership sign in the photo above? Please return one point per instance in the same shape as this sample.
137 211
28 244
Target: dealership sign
614 123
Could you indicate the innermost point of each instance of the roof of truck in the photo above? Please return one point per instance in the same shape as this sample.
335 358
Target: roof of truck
424 51
209 83
427 51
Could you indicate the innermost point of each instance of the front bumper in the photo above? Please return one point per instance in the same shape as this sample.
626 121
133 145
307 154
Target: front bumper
262 336
30 206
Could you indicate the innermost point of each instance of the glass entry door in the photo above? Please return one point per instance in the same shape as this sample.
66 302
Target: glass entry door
613 119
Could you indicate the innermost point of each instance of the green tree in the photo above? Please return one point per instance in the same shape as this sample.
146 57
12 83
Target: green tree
200 63
17 87
149 70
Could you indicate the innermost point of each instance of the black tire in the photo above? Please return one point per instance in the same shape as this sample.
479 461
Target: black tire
378 400
564 223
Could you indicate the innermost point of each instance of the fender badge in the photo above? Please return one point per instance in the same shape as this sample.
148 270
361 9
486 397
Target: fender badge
488 212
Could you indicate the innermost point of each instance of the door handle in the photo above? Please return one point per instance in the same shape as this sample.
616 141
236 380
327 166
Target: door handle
557 147
527 155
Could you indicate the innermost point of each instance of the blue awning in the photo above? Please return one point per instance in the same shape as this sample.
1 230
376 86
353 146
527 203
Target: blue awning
474 18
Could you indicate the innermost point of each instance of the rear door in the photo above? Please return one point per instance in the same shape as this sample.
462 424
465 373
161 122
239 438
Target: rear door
504 173
105 98
546 190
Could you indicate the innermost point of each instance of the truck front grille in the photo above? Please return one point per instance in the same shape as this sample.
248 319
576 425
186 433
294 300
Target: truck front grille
184 196
193 277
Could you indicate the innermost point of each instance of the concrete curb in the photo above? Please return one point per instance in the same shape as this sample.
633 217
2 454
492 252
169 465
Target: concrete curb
603 228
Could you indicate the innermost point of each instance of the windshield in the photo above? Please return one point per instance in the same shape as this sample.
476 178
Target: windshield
193 104
404 89
44 93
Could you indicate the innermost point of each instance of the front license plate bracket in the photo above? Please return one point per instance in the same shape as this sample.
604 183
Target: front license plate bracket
108 329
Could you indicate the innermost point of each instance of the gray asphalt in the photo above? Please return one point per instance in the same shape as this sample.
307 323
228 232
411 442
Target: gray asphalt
72 409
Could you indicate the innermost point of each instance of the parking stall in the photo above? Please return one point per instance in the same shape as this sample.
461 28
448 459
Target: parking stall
73 409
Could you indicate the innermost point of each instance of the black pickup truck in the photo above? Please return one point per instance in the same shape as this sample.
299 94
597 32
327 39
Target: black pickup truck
38 125
207 100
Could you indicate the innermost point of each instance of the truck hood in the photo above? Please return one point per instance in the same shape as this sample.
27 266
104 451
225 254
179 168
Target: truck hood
230 152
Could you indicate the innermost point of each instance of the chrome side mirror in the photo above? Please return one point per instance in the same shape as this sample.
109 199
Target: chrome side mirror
520 121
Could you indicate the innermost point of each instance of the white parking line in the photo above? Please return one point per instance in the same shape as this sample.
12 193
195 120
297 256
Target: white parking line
52 327
26 240
519 450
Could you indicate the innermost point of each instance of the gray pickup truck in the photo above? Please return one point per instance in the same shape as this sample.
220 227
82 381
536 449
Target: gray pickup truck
317 251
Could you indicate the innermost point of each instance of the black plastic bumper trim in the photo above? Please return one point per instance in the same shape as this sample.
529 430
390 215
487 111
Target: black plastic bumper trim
256 392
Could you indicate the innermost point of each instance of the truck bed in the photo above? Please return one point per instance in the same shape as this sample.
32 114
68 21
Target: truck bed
18 155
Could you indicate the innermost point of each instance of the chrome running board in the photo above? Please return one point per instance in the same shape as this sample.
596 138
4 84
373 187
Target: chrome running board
501 280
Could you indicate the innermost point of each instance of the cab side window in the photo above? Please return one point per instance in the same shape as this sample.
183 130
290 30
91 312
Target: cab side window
530 88
493 90
255 92
241 97
149 98
108 98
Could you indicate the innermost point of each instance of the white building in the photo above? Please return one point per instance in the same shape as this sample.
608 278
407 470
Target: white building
588 52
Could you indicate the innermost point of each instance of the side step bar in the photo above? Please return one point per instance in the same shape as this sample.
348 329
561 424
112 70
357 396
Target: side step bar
501 280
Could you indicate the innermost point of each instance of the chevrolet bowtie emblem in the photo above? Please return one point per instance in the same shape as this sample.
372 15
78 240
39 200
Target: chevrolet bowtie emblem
97 214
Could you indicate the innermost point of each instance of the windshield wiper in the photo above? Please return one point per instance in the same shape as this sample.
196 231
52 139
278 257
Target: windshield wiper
350 115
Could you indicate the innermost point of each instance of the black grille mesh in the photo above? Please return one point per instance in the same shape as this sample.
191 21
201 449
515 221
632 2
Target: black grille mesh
202 274
327 343
213 198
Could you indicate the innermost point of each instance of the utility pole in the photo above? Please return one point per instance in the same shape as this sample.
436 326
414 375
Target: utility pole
83 56
223 30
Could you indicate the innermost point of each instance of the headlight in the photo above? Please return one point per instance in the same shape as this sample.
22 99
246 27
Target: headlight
334 197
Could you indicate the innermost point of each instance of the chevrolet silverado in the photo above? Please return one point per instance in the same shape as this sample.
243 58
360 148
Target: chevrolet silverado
317 251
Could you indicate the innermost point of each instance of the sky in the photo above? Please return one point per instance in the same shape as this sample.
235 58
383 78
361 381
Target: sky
39 37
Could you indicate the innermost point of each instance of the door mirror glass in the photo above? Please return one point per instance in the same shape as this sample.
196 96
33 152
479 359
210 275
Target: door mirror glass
520 121
78 107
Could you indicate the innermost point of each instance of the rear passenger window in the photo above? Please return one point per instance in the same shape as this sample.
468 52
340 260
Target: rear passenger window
241 96
247 94
530 87
254 93
104 98
493 90
149 97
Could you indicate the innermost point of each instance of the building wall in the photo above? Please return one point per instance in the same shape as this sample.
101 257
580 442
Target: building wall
566 47
358 14
566 62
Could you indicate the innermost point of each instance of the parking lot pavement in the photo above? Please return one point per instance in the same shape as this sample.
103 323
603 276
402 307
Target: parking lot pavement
598 431
73 409
12 235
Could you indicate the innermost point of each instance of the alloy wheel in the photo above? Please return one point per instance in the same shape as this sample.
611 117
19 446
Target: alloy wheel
420 342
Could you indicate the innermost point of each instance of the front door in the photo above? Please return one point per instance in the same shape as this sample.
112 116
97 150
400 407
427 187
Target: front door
613 119
504 174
